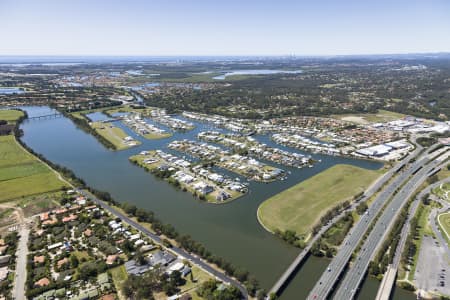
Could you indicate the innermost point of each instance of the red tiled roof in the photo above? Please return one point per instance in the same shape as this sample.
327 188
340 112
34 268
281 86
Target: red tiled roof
42 282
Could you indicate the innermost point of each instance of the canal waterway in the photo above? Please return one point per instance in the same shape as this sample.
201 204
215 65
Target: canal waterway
230 230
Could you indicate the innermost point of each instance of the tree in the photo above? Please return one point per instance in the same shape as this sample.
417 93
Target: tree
127 246
129 208
261 295
207 288
91 269
176 278
74 261
426 199
361 208
140 258
167 243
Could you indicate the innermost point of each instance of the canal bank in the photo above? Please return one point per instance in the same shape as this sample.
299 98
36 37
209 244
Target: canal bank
230 231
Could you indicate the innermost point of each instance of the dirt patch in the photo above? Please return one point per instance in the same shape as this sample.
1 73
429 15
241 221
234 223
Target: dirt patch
355 119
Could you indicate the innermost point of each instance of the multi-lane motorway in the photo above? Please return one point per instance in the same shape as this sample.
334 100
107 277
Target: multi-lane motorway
410 177
385 289
353 278
375 187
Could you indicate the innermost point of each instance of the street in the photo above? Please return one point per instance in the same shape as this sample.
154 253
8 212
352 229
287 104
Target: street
21 266
194 259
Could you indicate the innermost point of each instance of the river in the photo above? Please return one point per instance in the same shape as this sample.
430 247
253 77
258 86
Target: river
230 231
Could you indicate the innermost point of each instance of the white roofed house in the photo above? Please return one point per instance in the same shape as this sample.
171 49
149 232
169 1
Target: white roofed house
134 237
378 150
203 188
222 196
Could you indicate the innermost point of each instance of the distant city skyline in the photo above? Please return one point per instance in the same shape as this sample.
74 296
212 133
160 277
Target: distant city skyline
226 28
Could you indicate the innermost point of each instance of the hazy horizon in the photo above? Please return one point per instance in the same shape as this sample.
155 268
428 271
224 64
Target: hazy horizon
29 59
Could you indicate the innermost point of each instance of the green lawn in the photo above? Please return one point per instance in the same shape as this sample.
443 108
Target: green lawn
22 170
384 116
21 174
113 134
35 204
199 277
444 223
157 136
443 191
119 275
10 115
127 108
301 206
30 185
82 255
380 116
11 154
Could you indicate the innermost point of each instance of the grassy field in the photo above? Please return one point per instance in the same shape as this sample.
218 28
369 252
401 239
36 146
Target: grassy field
21 174
113 134
7 217
35 204
199 277
157 136
127 108
443 191
444 173
10 115
444 223
119 275
380 116
301 206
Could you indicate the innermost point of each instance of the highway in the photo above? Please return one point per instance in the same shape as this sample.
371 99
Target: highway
329 278
388 282
192 258
375 187
383 226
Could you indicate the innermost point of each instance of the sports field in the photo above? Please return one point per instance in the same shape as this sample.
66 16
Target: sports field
21 174
301 206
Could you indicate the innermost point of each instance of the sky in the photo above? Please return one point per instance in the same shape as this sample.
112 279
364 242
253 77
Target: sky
227 27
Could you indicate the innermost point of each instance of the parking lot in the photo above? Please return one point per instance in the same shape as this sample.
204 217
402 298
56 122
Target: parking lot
432 272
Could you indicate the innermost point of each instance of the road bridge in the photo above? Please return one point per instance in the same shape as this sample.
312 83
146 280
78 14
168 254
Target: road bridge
385 290
44 117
